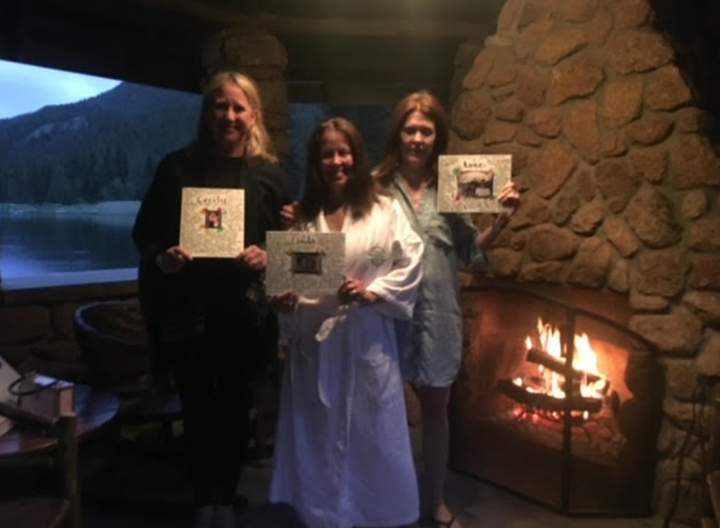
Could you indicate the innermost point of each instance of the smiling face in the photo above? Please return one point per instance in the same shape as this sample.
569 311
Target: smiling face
417 140
336 162
230 120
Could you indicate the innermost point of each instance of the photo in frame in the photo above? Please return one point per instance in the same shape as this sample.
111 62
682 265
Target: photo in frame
310 264
212 222
307 262
472 183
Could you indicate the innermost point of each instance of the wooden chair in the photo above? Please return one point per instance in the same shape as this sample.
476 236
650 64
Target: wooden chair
114 342
45 508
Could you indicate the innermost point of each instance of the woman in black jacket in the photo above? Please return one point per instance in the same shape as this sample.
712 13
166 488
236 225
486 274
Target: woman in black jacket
206 314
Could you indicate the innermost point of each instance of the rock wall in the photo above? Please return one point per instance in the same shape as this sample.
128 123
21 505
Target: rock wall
620 184
37 331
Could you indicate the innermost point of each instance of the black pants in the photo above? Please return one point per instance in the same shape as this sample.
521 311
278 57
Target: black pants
212 377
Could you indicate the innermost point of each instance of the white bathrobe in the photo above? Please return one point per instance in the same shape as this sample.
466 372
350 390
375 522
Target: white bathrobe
343 455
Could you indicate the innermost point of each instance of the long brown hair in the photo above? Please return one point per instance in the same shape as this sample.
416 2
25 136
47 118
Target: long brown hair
360 192
428 105
259 145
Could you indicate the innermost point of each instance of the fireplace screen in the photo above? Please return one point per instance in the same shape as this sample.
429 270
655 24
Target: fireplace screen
557 403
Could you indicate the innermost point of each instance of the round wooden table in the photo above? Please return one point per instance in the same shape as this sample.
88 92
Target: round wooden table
94 409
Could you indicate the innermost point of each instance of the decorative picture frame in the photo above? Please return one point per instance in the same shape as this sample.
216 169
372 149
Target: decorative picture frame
310 264
212 222
472 183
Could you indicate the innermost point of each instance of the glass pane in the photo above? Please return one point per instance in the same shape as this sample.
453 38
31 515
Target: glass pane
78 155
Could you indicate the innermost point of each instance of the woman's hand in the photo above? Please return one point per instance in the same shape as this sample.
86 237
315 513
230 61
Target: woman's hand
509 196
284 302
254 258
289 214
173 259
354 290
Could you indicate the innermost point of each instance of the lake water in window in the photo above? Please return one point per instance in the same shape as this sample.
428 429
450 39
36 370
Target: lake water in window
39 241
73 170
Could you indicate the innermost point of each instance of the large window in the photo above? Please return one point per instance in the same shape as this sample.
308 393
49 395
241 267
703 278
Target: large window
78 153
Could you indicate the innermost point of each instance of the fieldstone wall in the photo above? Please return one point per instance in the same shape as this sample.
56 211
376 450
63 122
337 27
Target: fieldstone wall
41 338
263 58
620 185
37 331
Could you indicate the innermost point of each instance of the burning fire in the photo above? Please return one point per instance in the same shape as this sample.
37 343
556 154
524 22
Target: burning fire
590 384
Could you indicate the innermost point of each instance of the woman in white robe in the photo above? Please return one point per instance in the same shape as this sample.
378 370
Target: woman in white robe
343 455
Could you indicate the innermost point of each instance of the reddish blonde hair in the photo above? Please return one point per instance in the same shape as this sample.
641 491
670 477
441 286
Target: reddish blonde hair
428 105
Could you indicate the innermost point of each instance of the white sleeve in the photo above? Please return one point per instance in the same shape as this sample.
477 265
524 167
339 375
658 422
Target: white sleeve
397 289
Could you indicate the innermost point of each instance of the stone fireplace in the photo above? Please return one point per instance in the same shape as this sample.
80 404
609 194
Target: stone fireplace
584 446
620 197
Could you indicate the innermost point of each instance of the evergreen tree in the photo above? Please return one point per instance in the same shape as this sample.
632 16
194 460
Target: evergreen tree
38 176
61 190
4 183
18 189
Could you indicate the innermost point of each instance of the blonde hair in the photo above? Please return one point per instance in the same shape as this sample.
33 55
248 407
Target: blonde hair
259 144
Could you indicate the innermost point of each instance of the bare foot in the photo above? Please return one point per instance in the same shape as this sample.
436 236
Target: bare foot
443 518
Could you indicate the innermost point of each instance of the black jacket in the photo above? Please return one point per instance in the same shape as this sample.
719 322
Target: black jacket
207 292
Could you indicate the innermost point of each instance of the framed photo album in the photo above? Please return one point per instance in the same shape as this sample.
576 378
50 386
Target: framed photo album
310 264
212 222
472 183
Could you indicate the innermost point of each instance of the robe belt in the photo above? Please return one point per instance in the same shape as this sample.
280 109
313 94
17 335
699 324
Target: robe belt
322 334
339 316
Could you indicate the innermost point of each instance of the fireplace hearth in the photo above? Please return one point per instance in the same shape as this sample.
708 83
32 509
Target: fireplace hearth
569 418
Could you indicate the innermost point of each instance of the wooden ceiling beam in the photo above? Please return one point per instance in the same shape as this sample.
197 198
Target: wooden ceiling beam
170 71
159 42
475 10
296 26
355 93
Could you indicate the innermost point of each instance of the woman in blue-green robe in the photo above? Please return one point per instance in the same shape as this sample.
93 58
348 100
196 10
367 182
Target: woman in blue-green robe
431 343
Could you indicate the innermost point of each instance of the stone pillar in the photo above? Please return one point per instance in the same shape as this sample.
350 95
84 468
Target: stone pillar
463 62
263 58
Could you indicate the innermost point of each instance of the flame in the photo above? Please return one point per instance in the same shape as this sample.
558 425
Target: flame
584 360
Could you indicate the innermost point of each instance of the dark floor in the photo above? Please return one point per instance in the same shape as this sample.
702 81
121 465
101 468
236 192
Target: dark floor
145 488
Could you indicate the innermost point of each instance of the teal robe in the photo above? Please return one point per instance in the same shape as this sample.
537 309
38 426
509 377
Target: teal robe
431 343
